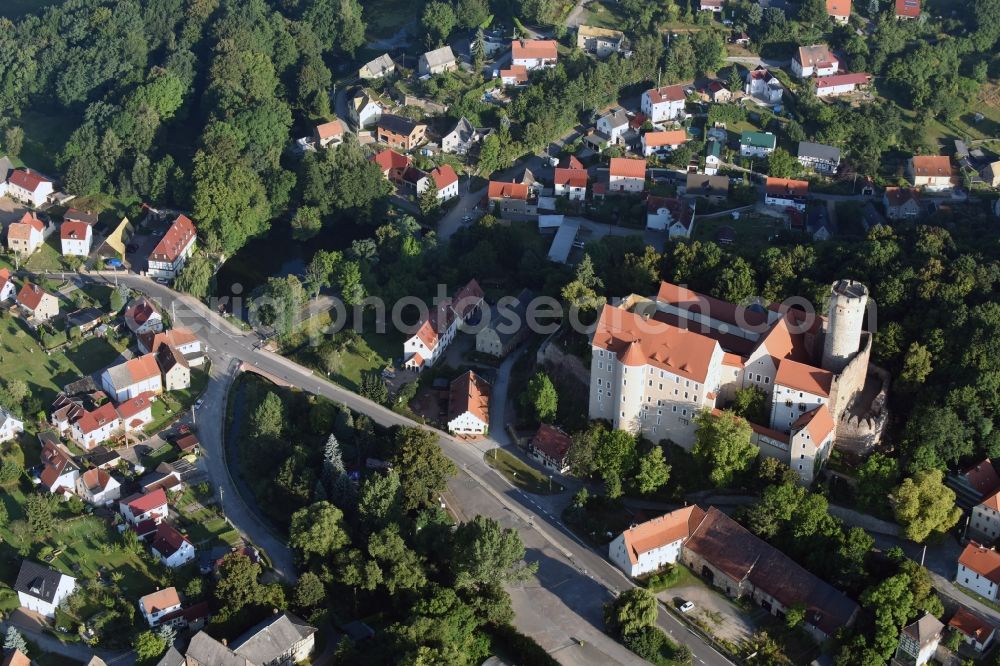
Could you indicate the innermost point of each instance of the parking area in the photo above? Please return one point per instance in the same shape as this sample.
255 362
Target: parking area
715 613
145 238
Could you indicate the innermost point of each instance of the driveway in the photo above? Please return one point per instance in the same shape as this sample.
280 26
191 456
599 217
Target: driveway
716 614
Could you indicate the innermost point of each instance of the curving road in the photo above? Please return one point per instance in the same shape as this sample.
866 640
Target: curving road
562 609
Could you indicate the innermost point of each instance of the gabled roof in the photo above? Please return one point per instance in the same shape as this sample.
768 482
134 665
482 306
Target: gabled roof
175 337
168 356
661 531
397 124
616 118
38 581
4 277
517 72
441 56
139 504
983 477
787 187
72 214
839 8
469 393
56 461
90 421
971 625
135 406
925 630
819 151
817 422
931 166
667 138
571 177
897 196
74 230
16 658
503 190
908 8
572 162
534 49
389 159
138 312
693 302
552 441
467 298
625 167
698 184
27 180
444 176
271 639
167 539
680 211
380 65
666 94
161 600
817 55
29 220
982 560
96 480
858 79
329 130
31 295
802 377
178 237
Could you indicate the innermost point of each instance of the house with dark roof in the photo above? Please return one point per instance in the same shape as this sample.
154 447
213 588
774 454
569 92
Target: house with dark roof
141 316
463 137
901 203
550 446
280 640
507 325
59 471
400 132
41 589
713 188
819 157
675 216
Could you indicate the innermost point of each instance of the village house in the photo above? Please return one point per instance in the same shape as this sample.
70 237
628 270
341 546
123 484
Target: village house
140 508
819 157
74 215
764 86
10 425
174 368
436 331
25 236
613 125
142 317
818 222
786 193
59 471
626 175
757 144
991 174
713 188
931 172
710 6
365 108
515 75
550 447
183 339
132 378
36 303
662 104
436 61
984 523
75 238
446 181
600 42
29 187
841 84
674 216
814 60
136 412
399 132
976 482
907 9
7 288
507 326
713 157
393 165
718 93
652 545
98 488
976 632
571 183
331 133
512 200
919 641
979 570
281 640
839 10
170 254
659 143
87 427
463 137
165 477
155 606
170 547
42 589
377 68
469 405
534 53
901 203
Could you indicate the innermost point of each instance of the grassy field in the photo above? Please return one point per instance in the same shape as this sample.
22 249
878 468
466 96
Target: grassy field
48 257
520 474
21 357
753 230
603 15
169 405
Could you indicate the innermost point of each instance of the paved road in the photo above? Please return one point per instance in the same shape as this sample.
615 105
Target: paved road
575 580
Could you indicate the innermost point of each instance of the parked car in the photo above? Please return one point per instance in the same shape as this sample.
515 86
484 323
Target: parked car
687 607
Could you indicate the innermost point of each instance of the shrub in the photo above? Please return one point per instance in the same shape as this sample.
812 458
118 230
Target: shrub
647 642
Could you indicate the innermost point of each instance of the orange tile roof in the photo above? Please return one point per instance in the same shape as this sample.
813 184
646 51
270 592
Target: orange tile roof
733 360
971 625
135 406
71 230
100 417
761 430
517 72
625 167
16 658
667 138
787 187
534 49
174 337
427 334
666 94
802 377
897 196
908 8
329 130
983 477
96 479
390 159
444 176
982 560
552 441
992 501
661 531
32 221
818 423
841 8
180 233
4 277
932 166
780 342
142 368
31 295
858 79
691 301
502 190
469 393
677 350
160 600
571 177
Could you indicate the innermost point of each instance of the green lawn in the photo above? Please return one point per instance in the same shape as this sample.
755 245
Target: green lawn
48 257
752 230
21 357
519 473
370 351
603 15
169 405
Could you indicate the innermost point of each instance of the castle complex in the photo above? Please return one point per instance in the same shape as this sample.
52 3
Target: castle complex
657 362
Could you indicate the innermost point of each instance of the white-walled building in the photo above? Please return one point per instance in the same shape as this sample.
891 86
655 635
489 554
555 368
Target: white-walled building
139 508
571 183
7 288
919 641
613 125
626 174
659 143
437 330
757 144
534 53
170 254
29 187
157 605
786 193
469 405
984 524
10 425
841 84
132 378
41 589
815 59
75 238
662 104
98 488
26 235
979 570
649 546
171 547
976 632
675 216
446 181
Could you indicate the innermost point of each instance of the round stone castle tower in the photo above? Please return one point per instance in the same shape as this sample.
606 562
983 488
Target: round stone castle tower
846 315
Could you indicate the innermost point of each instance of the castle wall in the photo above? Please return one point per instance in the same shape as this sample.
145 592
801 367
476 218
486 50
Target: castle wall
851 380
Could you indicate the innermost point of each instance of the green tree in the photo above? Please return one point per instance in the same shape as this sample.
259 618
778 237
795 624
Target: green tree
13 640
230 201
471 13
379 500
484 554
373 387
318 530
148 646
876 478
925 506
750 402
429 202
306 223
13 140
781 164
916 364
281 304
813 12
268 419
352 289
309 591
437 22
195 278
582 292
654 472
633 610
735 83
423 468
321 269
736 281
238 585
722 446
542 397
39 513
402 568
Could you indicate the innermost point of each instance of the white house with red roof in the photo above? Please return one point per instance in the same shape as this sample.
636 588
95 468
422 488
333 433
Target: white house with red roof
36 303
839 10
626 174
516 75
534 53
979 570
168 257
786 193
171 547
436 331
841 84
976 632
571 183
59 472
139 508
133 378
469 405
907 9
331 133
155 606
814 60
29 187
182 339
7 288
98 488
141 317
76 238
446 181
675 216
650 546
136 412
664 103
26 235
658 143
550 446
90 428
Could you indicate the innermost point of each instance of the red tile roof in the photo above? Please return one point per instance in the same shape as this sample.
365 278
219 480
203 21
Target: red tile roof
552 441
897 196
662 531
31 220
467 298
983 477
30 295
787 187
537 49
390 159
160 600
96 480
97 419
135 406
908 8
168 540
178 236
444 176
667 138
625 167
71 230
138 312
55 460
802 377
4 277
693 302
329 130
175 337
517 72
932 166
140 504
666 94
143 367
469 393
971 625
502 190
858 79
27 180
570 162
840 8
818 423
981 560
571 177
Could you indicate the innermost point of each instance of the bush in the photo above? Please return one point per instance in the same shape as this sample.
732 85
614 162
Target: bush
663 579
520 648
647 642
